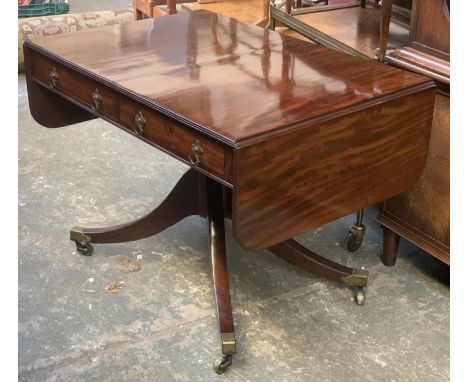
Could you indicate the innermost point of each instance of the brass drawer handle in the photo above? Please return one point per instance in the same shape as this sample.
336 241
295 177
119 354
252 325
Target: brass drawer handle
54 77
139 123
96 100
196 151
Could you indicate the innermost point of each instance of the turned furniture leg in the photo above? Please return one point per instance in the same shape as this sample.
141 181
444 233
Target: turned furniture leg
390 246
215 218
386 13
271 20
171 7
185 199
137 15
294 253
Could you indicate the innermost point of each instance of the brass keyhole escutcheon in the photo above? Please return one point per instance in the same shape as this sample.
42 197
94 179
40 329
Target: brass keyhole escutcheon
54 77
96 100
196 151
139 123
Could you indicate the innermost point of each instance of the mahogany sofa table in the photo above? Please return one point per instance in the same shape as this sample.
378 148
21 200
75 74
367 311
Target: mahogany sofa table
281 135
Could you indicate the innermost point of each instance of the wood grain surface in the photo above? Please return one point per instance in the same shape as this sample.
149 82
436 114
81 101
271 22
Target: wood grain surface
422 213
356 27
251 81
310 177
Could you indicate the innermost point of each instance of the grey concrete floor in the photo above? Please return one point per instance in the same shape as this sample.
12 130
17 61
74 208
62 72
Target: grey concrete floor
161 326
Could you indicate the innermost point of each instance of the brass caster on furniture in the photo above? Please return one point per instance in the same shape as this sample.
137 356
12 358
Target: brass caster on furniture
358 278
356 233
82 241
222 364
360 296
84 248
354 238
351 243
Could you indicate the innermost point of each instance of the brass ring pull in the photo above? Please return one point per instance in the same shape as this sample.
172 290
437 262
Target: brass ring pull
196 151
139 123
96 100
54 77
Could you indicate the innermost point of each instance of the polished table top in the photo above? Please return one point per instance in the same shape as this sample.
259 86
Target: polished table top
231 80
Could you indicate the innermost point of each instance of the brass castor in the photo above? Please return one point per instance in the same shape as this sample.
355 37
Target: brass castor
351 242
360 296
84 248
222 364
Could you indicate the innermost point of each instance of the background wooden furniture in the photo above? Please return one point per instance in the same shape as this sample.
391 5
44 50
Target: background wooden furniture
247 11
361 30
150 8
422 214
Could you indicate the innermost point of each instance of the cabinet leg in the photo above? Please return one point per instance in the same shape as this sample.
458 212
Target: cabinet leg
391 241
215 218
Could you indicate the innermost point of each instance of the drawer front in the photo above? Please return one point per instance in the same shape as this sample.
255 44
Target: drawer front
86 91
184 143
150 125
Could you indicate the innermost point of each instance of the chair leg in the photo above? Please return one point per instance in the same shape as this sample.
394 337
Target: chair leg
386 14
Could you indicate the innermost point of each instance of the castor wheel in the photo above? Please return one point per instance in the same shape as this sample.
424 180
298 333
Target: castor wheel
360 296
222 364
84 248
351 243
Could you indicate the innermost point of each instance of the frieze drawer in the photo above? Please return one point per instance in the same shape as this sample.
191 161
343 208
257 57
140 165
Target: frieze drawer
95 96
193 147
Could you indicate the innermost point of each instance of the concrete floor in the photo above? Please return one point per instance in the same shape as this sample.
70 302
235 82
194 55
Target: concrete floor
161 326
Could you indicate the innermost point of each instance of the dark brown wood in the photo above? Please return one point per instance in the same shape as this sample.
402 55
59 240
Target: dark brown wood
390 247
345 127
421 63
176 138
281 135
186 199
159 130
76 86
430 28
309 177
215 220
294 253
386 14
47 108
422 213
358 28
131 58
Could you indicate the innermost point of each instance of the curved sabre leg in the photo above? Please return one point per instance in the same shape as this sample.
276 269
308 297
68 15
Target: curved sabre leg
296 254
184 200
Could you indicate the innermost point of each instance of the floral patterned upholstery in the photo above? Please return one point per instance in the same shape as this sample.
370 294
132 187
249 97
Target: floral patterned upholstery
48 25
